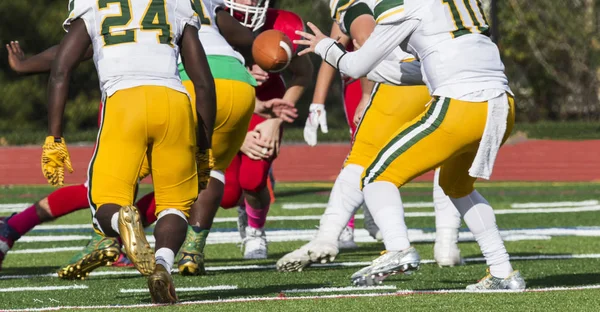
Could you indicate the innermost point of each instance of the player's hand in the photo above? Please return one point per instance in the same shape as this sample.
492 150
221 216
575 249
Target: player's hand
204 164
55 157
269 131
259 74
317 116
280 108
15 56
310 40
254 148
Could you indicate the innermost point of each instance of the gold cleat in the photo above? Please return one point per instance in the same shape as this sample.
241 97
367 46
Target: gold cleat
161 286
134 240
81 269
192 264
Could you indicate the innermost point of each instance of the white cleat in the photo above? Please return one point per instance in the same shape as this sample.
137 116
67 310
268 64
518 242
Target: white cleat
445 251
513 282
313 252
255 244
346 240
389 263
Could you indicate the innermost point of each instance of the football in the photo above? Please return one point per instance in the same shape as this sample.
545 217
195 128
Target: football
272 50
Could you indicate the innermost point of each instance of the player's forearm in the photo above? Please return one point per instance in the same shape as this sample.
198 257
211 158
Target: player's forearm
42 62
366 86
324 79
380 44
58 89
206 110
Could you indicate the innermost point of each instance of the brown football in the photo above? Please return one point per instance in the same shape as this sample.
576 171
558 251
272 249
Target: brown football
272 50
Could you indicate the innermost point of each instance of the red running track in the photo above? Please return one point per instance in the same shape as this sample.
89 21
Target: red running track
534 160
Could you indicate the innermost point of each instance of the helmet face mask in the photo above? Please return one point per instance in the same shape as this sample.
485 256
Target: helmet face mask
252 16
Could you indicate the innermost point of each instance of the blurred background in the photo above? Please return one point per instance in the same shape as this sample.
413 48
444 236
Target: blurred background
551 50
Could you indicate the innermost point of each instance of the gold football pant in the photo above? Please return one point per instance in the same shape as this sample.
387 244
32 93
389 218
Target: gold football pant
235 105
389 107
446 135
151 121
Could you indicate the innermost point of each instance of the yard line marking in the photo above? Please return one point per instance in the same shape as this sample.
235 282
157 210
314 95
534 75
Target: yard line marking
556 204
360 235
337 296
43 288
297 206
255 267
45 250
412 214
338 289
183 289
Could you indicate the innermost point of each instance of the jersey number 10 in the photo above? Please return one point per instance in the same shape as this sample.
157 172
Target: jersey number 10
478 23
155 19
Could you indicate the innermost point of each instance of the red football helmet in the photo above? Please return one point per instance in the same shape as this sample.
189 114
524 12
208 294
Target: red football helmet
250 13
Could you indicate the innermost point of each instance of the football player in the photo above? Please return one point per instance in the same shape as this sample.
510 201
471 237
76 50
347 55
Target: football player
249 171
387 106
470 116
147 112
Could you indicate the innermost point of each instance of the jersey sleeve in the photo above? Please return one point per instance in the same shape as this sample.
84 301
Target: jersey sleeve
83 9
390 12
189 12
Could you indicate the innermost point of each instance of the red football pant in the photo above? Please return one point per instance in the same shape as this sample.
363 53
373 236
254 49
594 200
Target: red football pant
245 174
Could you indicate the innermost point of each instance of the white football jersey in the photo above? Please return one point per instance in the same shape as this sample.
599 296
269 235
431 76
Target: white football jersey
210 36
449 37
399 68
135 42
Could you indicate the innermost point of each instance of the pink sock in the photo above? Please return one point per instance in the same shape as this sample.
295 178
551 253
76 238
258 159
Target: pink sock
351 223
24 221
256 217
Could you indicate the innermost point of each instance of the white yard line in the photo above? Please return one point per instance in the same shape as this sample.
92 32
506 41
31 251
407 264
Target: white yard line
360 235
358 216
184 289
256 267
337 296
42 288
299 206
591 202
338 289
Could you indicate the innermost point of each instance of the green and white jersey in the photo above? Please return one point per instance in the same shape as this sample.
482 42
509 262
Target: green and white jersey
135 42
449 38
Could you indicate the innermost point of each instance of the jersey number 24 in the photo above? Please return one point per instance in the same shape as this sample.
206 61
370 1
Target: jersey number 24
155 19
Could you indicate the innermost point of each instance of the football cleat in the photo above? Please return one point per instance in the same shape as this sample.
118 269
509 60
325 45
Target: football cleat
513 282
94 243
346 239
370 225
255 244
191 257
389 263
313 252
445 251
102 252
161 286
136 246
8 236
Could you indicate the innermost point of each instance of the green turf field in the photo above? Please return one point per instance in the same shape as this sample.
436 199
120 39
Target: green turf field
551 230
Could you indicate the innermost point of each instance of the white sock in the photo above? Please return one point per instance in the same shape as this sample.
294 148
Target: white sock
114 222
479 217
446 215
385 205
345 198
165 257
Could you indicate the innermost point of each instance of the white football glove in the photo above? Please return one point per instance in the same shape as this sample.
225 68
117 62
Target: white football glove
317 116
